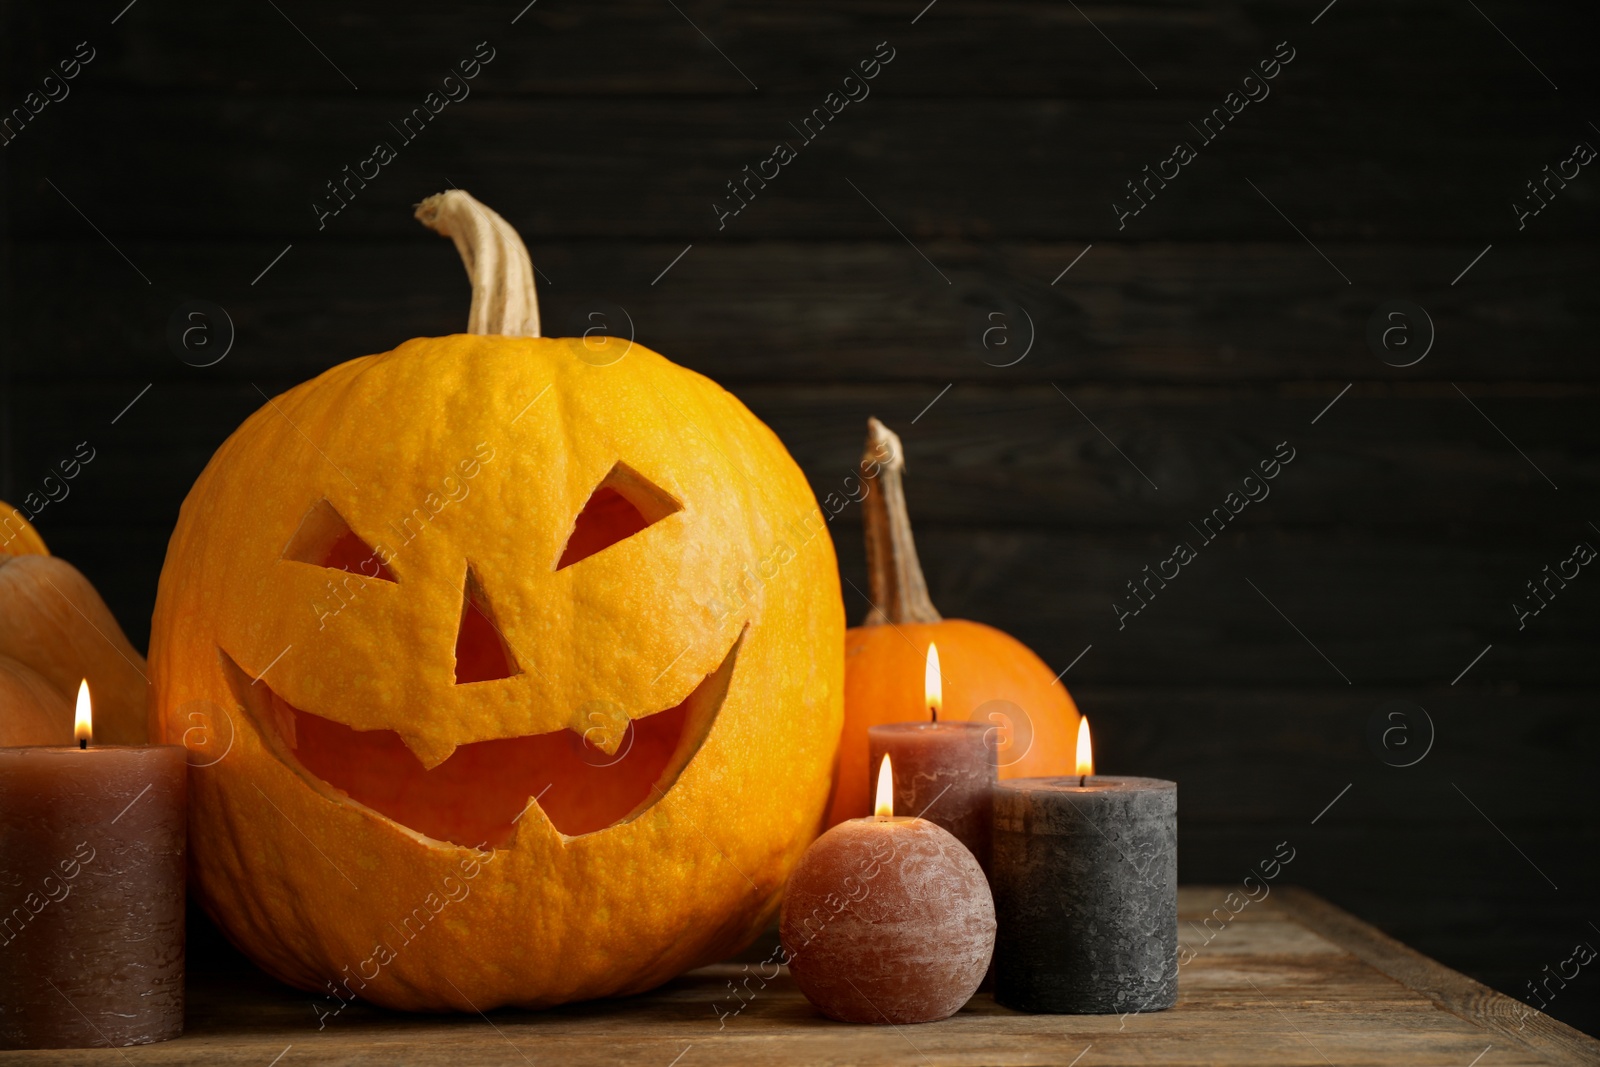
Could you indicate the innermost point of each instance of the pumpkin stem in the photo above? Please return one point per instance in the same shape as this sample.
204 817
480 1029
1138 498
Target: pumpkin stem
894 575
503 300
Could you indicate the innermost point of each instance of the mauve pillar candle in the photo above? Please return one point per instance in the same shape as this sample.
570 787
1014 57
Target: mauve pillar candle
91 895
1085 879
943 772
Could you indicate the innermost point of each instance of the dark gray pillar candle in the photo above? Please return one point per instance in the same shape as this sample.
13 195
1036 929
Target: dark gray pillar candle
1085 880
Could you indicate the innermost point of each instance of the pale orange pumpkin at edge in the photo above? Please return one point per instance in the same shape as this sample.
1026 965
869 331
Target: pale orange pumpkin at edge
885 661
55 632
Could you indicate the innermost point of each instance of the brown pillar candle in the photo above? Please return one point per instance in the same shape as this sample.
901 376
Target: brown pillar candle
945 771
91 894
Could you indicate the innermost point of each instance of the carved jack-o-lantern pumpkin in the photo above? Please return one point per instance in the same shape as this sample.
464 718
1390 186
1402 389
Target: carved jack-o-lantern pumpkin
475 714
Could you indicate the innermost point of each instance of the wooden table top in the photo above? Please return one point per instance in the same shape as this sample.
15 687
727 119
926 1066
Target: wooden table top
1290 980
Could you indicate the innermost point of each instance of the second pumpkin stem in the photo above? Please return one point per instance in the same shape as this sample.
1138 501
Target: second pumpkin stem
895 583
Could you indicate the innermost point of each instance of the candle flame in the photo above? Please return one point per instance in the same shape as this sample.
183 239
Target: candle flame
885 806
1085 750
83 727
932 684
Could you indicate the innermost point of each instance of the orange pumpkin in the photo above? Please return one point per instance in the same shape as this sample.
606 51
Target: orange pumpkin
472 721
55 631
32 711
17 535
987 675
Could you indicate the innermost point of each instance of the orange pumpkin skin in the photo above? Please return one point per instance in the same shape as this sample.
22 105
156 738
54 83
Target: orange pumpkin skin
1035 720
17 535
334 897
53 621
32 711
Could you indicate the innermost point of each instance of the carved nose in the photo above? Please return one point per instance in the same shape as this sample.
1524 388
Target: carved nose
482 654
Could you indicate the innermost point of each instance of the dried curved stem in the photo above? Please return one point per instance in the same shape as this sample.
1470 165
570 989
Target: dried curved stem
894 575
503 299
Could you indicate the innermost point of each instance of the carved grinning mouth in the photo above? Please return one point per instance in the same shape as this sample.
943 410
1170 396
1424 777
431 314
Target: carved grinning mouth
481 791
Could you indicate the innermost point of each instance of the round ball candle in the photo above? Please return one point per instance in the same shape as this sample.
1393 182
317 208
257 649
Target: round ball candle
91 896
945 771
887 920
1085 879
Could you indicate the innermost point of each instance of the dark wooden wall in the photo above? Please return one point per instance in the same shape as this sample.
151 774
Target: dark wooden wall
1196 339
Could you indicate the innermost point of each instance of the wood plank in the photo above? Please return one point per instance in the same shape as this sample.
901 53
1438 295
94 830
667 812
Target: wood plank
1454 889
1392 606
1289 981
1002 458
784 311
1029 48
1088 457
1453 992
1383 608
1288 752
653 168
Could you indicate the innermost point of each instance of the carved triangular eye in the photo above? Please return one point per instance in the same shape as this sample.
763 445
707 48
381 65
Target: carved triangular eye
481 651
325 539
624 503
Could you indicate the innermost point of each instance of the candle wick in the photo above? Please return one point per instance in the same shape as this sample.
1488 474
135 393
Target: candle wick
933 709
83 743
